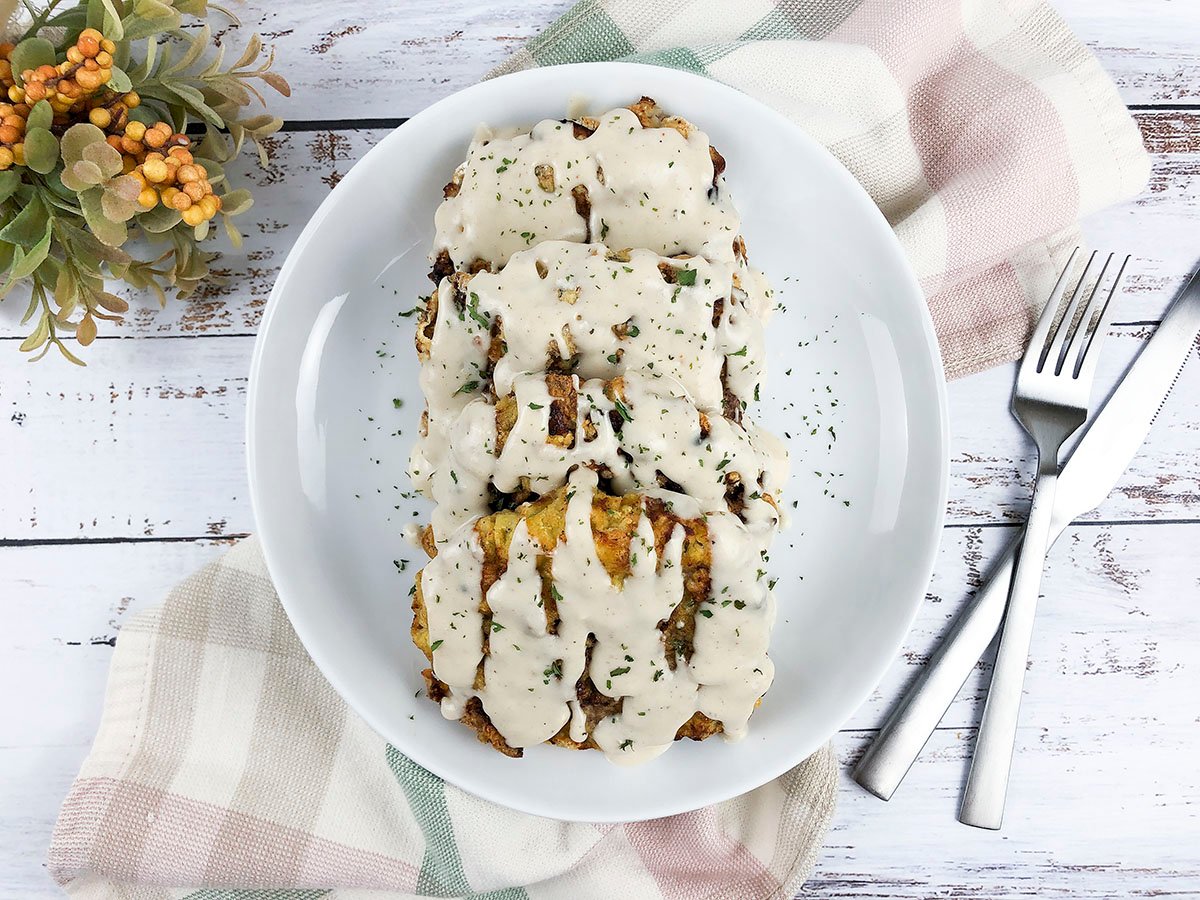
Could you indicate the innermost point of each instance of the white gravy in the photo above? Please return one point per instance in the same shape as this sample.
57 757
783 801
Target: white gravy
613 315
530 674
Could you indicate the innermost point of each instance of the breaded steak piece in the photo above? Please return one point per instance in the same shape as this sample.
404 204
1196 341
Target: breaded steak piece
614 523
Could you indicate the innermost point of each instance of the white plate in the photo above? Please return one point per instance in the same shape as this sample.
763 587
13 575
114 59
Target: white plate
327 444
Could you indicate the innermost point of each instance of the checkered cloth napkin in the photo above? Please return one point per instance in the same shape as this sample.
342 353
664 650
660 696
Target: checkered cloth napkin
226 768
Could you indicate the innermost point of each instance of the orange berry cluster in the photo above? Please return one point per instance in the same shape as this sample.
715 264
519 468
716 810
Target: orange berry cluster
12 117
167 171
75 90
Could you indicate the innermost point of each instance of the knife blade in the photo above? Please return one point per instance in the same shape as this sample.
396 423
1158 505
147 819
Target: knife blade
1089 475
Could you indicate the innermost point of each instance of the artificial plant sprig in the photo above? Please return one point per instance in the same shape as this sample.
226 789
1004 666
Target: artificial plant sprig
95 151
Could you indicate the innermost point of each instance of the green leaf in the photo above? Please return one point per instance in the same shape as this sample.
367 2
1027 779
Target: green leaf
142 70
111 23
119 202
81 175
29 226
159 219
31 260
78 137
250 54
150 18
84 243
105 157
29 54
41 150
199 9
108 232
195 49
236 202
235 236
9 182
41 116
39 336
119 81
195 100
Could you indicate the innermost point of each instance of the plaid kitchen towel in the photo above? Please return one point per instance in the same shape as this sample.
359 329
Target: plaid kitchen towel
983 129
227 768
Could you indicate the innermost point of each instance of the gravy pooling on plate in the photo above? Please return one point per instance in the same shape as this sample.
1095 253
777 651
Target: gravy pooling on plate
605 504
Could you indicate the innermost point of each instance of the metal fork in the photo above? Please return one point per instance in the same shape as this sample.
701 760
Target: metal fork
1051 402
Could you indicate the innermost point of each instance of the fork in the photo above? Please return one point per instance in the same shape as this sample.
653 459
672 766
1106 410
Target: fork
1050 401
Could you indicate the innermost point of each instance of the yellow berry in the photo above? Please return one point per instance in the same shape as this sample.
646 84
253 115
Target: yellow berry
88 45
131 100
155 170
108 46
88 80
194 215
18 152
73 55
128 164
130 146
168 196
9 135
104 59
100 117
6 158
35 91
15 94
187 173
155 138
194 190
209 205
135 131
148 198
181 201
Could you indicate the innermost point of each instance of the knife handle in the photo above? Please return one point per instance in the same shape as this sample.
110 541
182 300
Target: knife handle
915 717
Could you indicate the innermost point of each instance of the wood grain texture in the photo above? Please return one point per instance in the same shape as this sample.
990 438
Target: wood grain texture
121 480
308 164
394 59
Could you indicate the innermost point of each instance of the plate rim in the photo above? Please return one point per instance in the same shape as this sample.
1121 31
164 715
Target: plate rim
273 556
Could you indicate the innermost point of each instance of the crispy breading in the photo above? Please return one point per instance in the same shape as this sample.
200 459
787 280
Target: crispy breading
614 521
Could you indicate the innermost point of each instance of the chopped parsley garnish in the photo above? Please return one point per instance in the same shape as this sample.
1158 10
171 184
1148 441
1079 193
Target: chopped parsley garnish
496 626
621 670
434 646
467 387
741 352
686 277
473 309
535 406
627 743
707 613
623 410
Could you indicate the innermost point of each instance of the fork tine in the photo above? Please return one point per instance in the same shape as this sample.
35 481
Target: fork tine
1041 331
1089 354
1066 325
1075 339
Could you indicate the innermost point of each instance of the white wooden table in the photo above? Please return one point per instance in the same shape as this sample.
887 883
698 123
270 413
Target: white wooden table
118 480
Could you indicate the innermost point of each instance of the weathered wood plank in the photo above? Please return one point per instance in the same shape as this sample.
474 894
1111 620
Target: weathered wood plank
149 441
1092 812
1116 624
1158 227
363 61
1109 718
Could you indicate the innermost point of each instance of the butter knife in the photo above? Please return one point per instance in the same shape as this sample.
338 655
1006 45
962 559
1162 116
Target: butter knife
1089 475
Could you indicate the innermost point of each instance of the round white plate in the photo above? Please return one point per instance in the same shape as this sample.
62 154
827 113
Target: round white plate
854 381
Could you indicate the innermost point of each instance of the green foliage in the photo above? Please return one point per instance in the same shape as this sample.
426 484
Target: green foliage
69 218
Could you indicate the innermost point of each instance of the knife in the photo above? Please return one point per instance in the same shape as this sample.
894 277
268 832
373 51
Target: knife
1089 475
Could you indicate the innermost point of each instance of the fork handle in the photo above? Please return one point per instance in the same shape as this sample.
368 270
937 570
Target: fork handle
987 784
